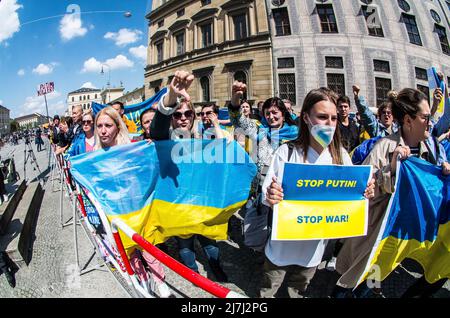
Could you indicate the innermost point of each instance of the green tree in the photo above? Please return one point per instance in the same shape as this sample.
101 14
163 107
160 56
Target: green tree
13 126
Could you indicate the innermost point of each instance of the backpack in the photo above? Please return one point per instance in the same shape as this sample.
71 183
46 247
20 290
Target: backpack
361 152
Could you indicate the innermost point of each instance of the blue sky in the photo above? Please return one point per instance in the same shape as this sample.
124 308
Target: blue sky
68 49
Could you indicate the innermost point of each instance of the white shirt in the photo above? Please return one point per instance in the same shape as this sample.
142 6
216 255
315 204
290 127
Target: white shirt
302 253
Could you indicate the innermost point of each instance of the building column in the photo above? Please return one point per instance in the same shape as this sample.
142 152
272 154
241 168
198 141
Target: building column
252 27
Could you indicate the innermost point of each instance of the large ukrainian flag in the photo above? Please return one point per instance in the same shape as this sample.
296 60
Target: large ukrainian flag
416 224
169 188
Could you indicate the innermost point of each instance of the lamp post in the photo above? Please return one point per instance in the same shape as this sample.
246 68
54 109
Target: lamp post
108 84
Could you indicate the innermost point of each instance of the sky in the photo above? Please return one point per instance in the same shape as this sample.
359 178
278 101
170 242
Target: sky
66 42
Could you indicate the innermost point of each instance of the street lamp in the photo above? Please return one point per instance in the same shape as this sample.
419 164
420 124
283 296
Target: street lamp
108 84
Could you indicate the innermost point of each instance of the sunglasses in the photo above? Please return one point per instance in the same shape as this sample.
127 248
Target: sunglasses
427 118
207 113
87 122
187 114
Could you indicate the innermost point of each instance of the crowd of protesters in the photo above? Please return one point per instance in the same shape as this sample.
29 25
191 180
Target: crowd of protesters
324 132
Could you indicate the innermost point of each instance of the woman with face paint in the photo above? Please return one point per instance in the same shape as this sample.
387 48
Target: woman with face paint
318 143
411 109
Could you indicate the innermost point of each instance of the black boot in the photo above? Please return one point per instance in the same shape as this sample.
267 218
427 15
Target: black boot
10 278
218 271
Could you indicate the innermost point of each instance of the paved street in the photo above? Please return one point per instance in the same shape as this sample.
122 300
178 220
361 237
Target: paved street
52 271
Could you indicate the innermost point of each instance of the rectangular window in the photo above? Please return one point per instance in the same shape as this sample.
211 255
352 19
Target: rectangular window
381 66
334 62
206 2
442 33
180 13
411 27
421 74
160 23
382 86
373 23
336 82
286 84
281 18
287 62
327 18
424 89
206 35
159 52
180 43
240 26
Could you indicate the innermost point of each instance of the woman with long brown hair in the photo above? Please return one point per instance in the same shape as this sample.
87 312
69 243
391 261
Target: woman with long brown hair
318 143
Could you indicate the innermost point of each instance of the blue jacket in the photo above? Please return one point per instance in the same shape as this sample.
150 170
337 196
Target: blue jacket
78 146
370 121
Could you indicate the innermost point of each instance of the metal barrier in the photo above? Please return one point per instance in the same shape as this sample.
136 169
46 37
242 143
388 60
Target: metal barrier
195 278
114 252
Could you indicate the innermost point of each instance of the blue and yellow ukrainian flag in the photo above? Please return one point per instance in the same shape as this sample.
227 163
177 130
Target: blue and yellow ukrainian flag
416 224
133 112
168 188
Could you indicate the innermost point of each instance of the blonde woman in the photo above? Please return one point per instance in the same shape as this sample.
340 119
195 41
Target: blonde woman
110 130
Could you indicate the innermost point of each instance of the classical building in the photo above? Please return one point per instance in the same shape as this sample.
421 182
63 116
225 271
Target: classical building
379 45
83 97
110 94
4 120
134 97
218 41
31 121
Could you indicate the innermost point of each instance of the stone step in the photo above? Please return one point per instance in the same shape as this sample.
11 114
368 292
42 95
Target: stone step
7 210
18 238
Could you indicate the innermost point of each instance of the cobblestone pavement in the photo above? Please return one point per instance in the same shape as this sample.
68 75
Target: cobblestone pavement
53 271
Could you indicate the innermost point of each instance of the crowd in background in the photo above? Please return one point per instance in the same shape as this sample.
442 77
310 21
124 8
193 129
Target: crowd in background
324 132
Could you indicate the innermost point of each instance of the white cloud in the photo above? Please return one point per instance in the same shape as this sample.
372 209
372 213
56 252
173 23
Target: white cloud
124 36
36 104
139 52
1 102
88 85
94 66
21 72
43 69
9 19
71 27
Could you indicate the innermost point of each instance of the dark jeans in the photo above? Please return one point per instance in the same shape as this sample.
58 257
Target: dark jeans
423 289
187 253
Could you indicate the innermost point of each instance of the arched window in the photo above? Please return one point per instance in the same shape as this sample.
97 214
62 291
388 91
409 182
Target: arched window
241 77
204 83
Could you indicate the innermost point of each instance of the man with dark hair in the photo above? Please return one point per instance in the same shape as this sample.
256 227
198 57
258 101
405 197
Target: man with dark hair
349 129
54 130
120 108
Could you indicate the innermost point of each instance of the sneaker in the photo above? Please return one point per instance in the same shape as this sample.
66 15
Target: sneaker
164 290
331 264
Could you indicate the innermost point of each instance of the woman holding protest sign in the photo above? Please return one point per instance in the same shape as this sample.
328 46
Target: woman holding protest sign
319 143
411 109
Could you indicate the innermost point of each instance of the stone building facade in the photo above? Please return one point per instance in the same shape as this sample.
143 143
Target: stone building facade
377 44
218 41
83 97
